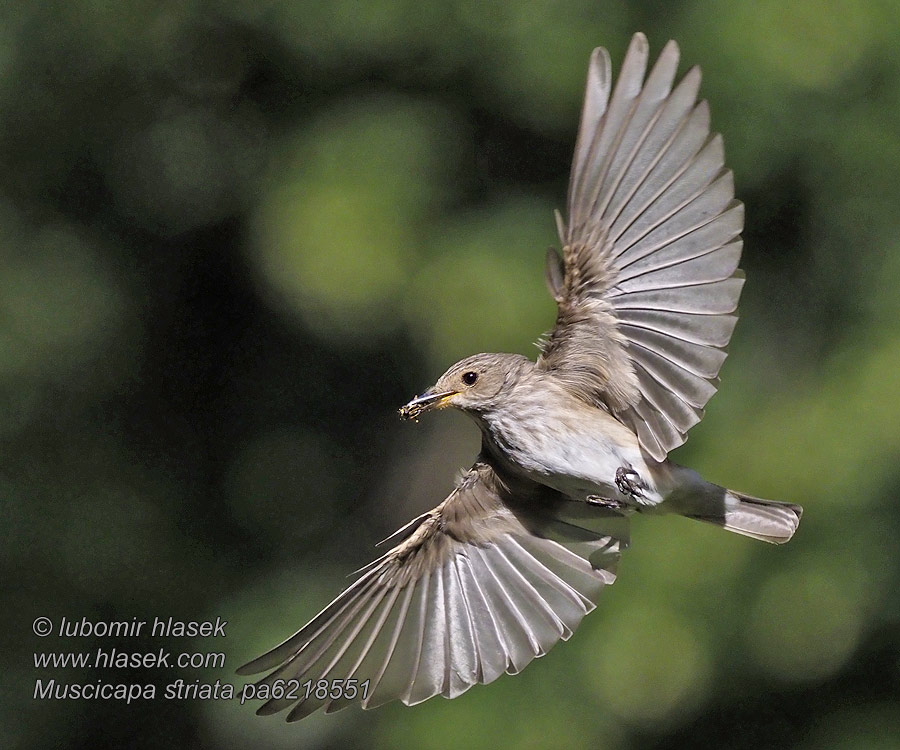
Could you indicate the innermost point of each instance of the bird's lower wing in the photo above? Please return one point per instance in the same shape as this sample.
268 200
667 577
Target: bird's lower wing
484 583
648 284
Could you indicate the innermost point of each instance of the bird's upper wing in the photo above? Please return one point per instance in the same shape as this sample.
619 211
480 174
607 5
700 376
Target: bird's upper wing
481 585
648 284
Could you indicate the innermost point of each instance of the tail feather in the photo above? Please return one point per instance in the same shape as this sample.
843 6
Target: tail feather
767 520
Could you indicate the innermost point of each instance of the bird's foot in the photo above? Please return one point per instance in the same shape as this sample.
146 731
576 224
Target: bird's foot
605 502
630 483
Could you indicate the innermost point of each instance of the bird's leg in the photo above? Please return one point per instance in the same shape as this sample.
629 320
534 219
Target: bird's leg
630 483
604 502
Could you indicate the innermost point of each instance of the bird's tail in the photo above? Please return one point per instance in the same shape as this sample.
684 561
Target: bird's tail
767 520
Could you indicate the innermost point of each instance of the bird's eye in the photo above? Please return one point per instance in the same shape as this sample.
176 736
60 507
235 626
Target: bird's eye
469 378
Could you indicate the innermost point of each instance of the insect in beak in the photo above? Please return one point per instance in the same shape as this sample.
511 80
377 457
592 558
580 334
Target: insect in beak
426 402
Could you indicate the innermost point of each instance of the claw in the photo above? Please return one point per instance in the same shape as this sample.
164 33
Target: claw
630 483
605 502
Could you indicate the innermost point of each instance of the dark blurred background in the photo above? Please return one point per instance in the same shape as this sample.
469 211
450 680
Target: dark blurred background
236 235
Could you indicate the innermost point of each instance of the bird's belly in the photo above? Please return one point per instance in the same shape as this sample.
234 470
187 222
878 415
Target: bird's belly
577 459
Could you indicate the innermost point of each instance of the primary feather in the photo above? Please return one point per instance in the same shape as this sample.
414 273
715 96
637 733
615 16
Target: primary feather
484 583
650 283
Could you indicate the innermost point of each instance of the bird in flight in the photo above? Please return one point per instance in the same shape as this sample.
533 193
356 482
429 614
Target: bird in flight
573 444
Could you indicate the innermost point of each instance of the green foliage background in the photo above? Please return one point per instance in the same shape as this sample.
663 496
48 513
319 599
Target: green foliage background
235 236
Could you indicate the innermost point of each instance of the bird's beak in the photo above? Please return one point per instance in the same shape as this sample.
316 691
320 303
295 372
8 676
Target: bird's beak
426 402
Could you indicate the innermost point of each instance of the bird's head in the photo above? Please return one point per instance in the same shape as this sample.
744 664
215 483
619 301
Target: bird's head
473 384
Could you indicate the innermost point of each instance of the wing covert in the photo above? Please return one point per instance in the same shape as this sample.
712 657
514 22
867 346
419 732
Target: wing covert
650 280
481 585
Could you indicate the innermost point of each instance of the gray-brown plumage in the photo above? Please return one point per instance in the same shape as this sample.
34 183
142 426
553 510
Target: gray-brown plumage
650 282
481 585
646 288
